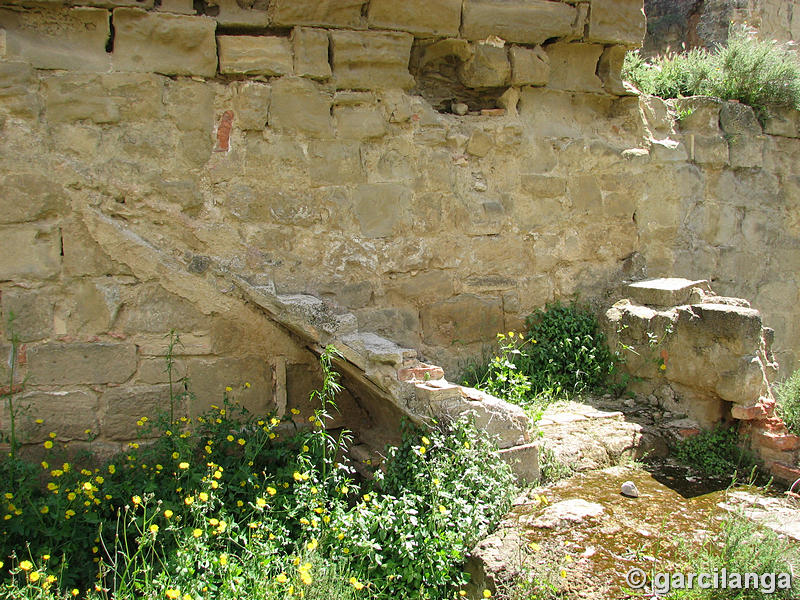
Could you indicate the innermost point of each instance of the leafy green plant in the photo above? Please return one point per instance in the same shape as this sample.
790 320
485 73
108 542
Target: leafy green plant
568 354
716 452
230 505
563 354
788 397
741 547
550 468
759 73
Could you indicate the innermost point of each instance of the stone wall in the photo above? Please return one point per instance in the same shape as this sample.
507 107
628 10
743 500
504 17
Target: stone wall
437 169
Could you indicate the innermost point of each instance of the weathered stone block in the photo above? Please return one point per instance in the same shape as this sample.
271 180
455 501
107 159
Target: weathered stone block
401 325
663 292
335 162
311 53
357 123
73 97
324 13
784 122
609 70
544 186
529 66
82 254
232 15
29 252
254 55
68 364
15 73
151 309
123 407
524 461
708 150
585 193
154 370
32 310
297 105
70 39
92 307
746 151
420 17
28 197
488 67
736 118
210 377
164 43
371 60
479 144
181 7
573 67
522 21
463 319
381 208
617 22
699 114
251 105
67 414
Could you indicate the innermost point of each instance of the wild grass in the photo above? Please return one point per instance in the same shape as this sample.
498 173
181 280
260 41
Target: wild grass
788 398
760 73
742 547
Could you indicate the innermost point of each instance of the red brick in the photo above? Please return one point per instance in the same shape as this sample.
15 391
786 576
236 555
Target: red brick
420 373
688 432
749 413
784 472
776 441
773 424
224 132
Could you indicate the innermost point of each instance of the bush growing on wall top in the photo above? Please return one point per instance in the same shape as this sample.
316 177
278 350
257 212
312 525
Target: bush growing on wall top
762 74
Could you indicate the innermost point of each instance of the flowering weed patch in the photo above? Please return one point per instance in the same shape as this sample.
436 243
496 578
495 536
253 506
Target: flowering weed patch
231 505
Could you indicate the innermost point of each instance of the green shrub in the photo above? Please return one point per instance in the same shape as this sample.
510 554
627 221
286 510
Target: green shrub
759 73
670 76
716 452
568 354
741 547
788 394
563 354
239 506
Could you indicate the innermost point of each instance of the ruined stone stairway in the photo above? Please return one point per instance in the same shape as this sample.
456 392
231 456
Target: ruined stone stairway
388 372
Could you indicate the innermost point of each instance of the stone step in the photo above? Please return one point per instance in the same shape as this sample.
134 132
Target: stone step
663 292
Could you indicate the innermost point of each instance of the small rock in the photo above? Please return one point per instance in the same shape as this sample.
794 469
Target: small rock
630 402
652 400
459 108
564 513
629 489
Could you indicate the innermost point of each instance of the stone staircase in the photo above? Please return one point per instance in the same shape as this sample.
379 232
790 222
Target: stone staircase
389 372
